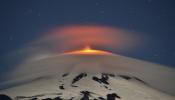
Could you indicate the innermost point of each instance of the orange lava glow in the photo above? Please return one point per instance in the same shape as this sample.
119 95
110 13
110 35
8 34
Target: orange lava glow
88 50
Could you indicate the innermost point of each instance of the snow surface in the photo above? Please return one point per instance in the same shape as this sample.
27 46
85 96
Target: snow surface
80 77
74 86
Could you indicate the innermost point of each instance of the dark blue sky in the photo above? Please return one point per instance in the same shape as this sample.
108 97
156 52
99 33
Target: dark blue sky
24 20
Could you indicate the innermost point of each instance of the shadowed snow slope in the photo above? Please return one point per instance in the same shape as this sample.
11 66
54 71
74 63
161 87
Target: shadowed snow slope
84 77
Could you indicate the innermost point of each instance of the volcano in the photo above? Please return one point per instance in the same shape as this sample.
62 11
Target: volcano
88 74
89 51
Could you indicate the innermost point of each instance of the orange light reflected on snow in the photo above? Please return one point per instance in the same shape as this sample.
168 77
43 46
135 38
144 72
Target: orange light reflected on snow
90 51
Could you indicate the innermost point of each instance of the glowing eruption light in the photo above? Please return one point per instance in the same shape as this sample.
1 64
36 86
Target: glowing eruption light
70 38
74 36
90 51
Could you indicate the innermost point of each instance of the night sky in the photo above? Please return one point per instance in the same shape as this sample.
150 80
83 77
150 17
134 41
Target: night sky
24 20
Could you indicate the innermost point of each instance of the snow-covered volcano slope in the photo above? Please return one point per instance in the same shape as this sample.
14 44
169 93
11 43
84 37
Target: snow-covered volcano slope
86 86
85 76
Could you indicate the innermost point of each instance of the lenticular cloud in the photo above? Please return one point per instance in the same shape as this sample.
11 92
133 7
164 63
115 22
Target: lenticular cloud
72 37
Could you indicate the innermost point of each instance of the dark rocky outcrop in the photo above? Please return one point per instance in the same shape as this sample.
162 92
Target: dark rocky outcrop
64 75
131 77
125 77
74 86
104 79
80 76
112 96
101 98
62 87
46 99
86 95
4 97
108 74
57 98
34 99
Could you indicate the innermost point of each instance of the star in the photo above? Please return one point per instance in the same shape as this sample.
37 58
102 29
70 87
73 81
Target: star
155 55
11 38
30 11
96 3
38 14
102 12
149 1
131 10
